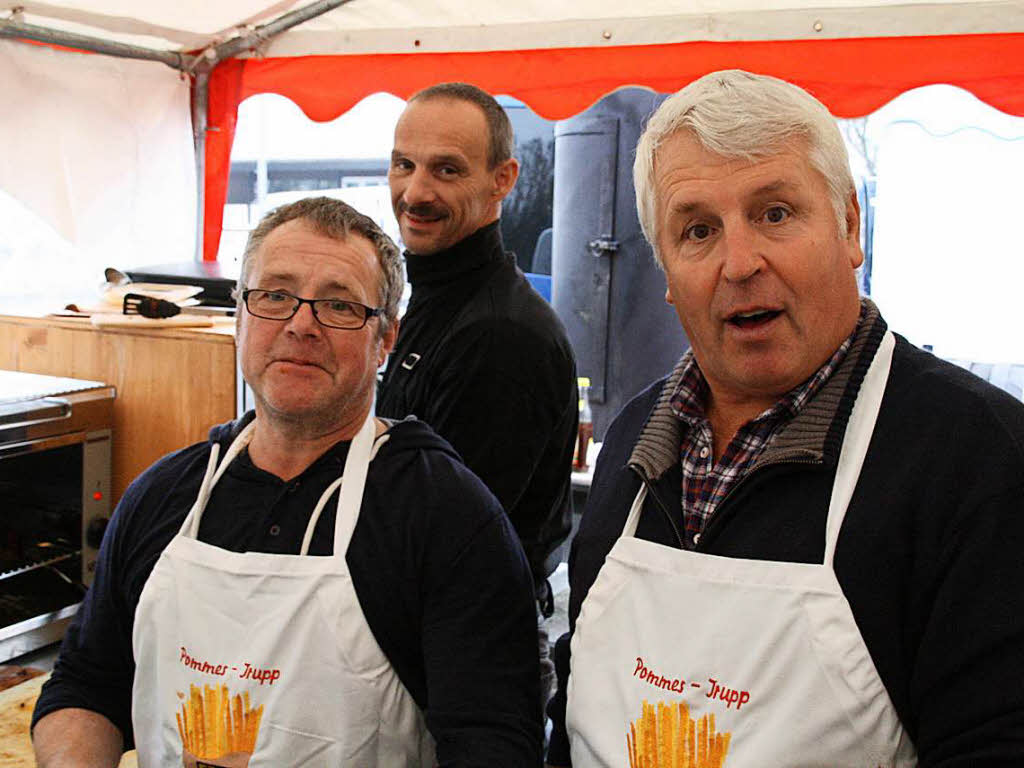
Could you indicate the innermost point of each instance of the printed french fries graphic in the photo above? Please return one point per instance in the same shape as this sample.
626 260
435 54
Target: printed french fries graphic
669 738
213 725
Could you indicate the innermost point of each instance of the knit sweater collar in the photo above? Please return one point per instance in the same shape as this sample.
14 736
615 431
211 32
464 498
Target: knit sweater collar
814 436
482 247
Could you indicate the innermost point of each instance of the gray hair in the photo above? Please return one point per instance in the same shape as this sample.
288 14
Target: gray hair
740 115
337 220
501 141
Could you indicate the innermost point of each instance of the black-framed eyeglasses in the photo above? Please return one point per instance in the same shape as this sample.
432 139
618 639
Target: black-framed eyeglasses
334 313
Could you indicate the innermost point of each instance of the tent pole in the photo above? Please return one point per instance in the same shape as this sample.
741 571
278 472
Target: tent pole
14 29
271 29
11 28
200 91
200 110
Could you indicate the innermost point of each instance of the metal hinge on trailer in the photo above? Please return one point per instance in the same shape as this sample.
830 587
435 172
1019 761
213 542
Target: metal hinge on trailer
602 245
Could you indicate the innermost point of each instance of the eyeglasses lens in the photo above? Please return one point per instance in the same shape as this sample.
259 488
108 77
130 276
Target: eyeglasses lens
335 313
273 306
341 314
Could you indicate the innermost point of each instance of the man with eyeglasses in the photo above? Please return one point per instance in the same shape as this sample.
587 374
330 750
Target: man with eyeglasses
313 585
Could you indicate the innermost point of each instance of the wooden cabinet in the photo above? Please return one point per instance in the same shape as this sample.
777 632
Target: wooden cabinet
172 384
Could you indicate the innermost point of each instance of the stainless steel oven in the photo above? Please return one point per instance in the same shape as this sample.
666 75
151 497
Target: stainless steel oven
55 447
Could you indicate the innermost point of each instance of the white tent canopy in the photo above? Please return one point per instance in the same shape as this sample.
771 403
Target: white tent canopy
399 26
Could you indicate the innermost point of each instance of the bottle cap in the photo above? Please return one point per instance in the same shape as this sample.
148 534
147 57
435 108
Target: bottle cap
583 381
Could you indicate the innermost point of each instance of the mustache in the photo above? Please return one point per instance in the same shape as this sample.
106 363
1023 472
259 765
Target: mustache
422 210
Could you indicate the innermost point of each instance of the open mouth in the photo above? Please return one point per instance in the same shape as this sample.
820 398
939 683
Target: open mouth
753 319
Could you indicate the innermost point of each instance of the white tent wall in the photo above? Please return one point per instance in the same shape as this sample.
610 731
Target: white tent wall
101 149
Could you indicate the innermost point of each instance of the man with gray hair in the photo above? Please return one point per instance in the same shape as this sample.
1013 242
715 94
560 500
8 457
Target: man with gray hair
803 546
313 585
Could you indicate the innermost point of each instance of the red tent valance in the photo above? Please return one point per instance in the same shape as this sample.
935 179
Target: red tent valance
852 77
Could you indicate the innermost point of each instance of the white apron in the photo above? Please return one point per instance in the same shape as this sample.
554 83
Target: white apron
691 660
263 660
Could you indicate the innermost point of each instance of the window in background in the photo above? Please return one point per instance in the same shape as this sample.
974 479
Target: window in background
526 212
938 172
279 156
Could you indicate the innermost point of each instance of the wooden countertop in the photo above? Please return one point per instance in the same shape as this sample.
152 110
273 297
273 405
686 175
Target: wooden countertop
222 332
16 705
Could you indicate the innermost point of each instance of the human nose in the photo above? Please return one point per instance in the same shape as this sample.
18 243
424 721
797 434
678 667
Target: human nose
742 257
303 322
418 188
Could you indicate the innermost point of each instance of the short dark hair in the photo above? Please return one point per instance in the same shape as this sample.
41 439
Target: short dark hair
337 220
501 140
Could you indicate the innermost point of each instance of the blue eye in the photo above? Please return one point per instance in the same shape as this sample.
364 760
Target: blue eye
776 214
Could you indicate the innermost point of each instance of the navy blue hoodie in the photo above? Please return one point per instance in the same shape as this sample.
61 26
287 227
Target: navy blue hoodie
439 572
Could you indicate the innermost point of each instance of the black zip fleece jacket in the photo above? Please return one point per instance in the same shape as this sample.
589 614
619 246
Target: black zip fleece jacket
930 555
485 361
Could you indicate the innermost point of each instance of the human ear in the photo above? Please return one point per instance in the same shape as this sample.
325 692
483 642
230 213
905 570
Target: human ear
505 176
853 230
386 343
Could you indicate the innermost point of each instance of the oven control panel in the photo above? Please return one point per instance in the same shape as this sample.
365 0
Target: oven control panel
95 498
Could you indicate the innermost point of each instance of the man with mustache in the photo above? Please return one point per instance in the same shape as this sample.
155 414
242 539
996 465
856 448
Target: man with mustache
802 547
481 357
344 576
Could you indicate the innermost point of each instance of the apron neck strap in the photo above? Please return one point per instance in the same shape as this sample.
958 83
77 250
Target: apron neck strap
352 482
349 500
190 528
633 519
859 429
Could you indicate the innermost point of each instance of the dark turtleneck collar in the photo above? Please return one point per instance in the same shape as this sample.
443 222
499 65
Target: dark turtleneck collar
482 247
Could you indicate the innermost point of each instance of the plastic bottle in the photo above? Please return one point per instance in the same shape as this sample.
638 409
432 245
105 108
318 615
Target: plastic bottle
585 432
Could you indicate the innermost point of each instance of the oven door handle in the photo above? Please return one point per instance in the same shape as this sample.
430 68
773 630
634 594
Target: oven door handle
53 410
9 450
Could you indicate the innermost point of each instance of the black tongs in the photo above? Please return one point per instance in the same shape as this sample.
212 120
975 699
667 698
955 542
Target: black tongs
152 307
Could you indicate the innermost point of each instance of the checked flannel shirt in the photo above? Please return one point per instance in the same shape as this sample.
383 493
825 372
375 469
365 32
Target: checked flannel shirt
706 483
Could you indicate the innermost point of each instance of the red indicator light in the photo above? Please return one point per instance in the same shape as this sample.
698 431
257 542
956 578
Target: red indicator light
97 496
